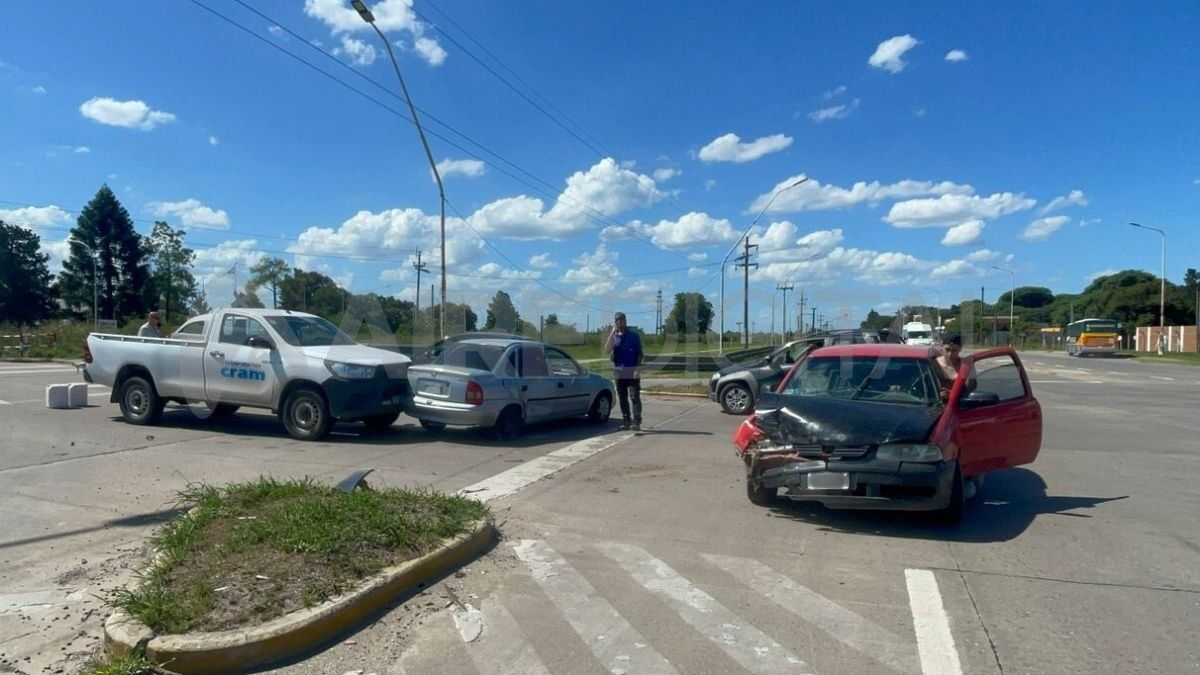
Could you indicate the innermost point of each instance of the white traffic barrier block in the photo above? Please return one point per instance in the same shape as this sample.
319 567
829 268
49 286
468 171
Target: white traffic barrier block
78 395
58 396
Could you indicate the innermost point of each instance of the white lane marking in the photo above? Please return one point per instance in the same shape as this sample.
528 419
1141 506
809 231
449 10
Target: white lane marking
508 482
47 599
746 644
4 402
1066 382
617 644
935 643
1159 377
495 642
843 625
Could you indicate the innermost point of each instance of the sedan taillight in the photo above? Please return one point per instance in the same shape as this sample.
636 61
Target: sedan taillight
474 393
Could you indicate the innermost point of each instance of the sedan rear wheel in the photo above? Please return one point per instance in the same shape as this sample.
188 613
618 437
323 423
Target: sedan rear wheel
736 399
508 424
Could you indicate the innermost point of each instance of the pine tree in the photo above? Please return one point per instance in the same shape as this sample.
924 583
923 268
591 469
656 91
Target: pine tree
105 230
171 262
25 294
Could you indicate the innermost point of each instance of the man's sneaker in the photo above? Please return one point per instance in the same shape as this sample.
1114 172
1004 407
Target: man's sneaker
637 426
625 425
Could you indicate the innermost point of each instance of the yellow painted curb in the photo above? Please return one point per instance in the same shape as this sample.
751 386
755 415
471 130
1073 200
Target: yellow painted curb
297 632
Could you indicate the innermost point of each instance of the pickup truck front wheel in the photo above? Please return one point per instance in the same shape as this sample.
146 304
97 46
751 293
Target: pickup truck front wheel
140 403
306 415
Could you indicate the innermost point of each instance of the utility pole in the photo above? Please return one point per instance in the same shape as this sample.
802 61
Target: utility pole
658 321
982 305
783 323
420 267
812 325
745 262
800 314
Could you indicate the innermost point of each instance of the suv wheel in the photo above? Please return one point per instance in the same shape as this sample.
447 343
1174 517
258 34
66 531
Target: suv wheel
736 399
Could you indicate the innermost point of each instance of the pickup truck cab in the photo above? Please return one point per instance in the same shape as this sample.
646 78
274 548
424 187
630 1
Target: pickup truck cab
297 365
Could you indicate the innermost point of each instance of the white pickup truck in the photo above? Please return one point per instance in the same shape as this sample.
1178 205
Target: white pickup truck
297 365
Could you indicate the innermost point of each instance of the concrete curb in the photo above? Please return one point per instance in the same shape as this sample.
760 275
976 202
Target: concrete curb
674 393
298 632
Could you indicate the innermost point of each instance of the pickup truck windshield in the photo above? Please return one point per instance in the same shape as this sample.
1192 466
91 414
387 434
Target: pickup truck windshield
888 380
308 331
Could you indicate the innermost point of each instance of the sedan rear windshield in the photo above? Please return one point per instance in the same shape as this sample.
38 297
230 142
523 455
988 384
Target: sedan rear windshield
469 355
308 331
866 378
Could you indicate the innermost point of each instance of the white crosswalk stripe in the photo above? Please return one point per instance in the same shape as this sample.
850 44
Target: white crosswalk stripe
490 639
747 645
935 643
845 626
495 641
616 643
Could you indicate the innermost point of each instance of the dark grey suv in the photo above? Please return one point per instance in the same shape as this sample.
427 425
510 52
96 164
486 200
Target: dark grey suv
736 387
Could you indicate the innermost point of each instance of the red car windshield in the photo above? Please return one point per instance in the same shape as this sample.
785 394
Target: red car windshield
866 378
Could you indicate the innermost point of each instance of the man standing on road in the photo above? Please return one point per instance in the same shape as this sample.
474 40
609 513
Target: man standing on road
151 327
625 348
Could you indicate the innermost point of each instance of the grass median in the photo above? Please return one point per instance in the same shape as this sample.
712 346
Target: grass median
250 552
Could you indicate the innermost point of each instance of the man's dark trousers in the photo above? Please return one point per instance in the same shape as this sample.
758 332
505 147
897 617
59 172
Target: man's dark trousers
626 389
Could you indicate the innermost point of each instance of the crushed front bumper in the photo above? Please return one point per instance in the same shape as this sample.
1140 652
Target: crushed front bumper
375 397
866 483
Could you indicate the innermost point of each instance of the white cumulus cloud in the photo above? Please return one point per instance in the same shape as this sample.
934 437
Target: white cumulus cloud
1042 228
811 195
964 234
690 230
471 168
665 174
955 268
835 112
393 232
82 150
953 209
889 55
129 114
542 261
956 55
213 140
191 213
33 217
1072 198
983 255
357 52
390 15
730 148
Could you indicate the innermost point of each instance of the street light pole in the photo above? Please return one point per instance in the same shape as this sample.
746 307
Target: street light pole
1162 288
1011 297
95 286
367 16
721 342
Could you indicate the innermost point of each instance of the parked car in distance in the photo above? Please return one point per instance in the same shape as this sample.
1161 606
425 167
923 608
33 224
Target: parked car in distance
297 365
736 387
505 383
871 427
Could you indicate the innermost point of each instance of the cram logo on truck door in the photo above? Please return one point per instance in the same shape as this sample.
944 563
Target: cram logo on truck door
239 370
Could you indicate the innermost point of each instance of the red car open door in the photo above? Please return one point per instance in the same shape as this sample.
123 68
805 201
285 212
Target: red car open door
999 420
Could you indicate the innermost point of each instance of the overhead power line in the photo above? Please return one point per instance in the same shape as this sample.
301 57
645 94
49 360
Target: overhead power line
548 190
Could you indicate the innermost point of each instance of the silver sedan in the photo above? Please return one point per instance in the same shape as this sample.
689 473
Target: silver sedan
504 383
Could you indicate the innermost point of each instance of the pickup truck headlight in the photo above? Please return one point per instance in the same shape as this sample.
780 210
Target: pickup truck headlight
350 371
909 452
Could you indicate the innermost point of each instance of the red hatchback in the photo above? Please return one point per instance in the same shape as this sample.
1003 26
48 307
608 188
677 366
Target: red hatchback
872 427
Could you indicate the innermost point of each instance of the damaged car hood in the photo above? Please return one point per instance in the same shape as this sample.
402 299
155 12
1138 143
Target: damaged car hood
804 420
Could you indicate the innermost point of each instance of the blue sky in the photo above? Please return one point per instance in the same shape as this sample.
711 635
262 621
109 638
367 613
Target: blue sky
938 140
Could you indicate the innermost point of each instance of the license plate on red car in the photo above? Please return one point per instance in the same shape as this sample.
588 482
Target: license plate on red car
828 480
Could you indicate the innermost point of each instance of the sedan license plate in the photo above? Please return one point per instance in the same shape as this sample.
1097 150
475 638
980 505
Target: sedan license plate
433 387
828 480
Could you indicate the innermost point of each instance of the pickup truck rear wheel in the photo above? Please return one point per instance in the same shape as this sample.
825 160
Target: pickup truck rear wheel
140 403
306 415
736 399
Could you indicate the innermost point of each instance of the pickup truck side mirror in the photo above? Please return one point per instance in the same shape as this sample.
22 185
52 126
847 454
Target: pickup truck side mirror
259 342
979 399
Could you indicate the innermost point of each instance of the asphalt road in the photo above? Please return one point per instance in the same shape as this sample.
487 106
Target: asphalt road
645 556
